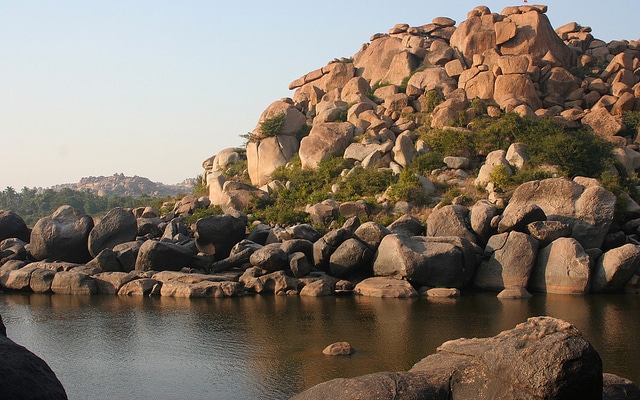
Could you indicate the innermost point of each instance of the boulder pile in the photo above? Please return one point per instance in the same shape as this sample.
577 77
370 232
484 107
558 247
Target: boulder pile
555 236
514 61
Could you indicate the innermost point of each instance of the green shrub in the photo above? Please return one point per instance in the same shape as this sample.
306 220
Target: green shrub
362 182
423 164
433 98
408 188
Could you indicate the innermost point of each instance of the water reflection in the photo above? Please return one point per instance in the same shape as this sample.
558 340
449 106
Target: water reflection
270 346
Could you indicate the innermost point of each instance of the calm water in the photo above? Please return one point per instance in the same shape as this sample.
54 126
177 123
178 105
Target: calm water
270 347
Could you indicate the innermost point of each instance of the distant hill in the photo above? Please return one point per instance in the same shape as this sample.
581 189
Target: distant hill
127 186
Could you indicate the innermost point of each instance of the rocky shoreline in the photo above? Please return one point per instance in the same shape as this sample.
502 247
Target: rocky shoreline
554 236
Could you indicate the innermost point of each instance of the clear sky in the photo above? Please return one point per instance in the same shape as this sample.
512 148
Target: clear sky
153 88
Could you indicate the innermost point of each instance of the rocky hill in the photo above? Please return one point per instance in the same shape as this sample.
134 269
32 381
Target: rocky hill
378 107
127 186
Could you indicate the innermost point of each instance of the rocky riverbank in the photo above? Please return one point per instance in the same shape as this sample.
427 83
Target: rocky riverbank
554 236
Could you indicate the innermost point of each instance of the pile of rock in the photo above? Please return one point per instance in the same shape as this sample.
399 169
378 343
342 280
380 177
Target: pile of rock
513 61
554 236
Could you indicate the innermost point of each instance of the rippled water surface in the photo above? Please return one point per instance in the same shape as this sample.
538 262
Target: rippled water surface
270 347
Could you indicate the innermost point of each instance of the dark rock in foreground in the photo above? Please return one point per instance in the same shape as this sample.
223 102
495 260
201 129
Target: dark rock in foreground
541 358
23 375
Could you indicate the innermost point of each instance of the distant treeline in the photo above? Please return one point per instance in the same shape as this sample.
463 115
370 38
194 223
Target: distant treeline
32 204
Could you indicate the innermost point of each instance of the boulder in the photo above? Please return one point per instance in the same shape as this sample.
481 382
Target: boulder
62 236
217 234
351 257
41 280
338 349
116 227
515 89
587 210
200 289
317 288
112 282
299 264
404 150
255 281
106 260
324 140
548 231
618 388
480 216
326 245
451 220
126 254
562 267
13 226
293 120
385 287
141 287
382 61
69 282
25 375
615 267
264 156
536 37
19 279
422 261
371 234
270 258
517 220
509 259
150 227
474 36
541 358
162 256
604 124
407 225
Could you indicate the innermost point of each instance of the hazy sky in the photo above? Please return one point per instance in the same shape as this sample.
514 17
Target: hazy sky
153 88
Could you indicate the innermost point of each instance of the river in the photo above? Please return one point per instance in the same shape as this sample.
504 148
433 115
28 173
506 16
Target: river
270 347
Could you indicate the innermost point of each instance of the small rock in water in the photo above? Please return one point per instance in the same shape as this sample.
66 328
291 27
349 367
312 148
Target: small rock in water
339 349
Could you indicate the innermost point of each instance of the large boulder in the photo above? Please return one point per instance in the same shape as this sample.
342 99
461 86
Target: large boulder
541 358
434 262
351 257
588 210
24 374
293 119
217 234
62 236
71 282
118 226
510 257
474 36
380 61
536 37
562 267
163 256
379 286
615 267
323 141
451 220
264 156
13 226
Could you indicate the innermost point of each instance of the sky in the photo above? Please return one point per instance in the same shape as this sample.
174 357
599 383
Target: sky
153 88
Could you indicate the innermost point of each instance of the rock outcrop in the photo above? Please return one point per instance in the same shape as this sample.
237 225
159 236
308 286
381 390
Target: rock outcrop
24 374
541 358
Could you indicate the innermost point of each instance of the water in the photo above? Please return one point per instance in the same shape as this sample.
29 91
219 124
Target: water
270 347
